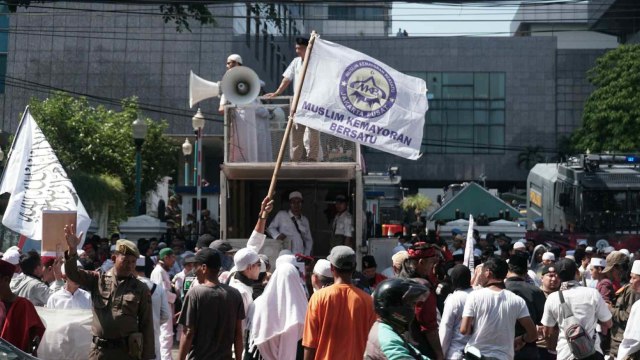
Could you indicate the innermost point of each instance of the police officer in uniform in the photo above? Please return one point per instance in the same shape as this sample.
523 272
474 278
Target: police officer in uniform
122 317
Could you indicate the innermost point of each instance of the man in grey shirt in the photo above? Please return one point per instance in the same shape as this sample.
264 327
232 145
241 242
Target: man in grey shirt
30 284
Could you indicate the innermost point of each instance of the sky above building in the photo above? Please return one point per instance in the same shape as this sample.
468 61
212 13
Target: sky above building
452 20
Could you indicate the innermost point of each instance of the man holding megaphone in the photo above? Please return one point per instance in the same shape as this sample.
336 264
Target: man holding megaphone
249 136
297 137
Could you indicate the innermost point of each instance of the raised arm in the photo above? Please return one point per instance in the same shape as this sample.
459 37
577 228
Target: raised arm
256 241
83 278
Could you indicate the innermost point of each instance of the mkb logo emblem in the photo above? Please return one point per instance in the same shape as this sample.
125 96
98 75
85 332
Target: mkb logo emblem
367 90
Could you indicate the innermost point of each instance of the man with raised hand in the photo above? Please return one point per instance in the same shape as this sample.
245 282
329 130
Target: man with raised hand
122 320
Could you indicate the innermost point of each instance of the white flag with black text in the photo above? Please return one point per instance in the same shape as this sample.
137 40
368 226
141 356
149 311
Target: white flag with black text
36 181
356 97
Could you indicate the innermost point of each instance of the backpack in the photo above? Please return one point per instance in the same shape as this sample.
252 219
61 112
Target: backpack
580 344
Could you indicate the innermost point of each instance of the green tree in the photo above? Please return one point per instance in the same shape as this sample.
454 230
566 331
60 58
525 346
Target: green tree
417 202
611 118
530 156
95 146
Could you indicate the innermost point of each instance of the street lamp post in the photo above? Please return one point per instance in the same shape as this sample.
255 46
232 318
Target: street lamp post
186 151
139 133
198 125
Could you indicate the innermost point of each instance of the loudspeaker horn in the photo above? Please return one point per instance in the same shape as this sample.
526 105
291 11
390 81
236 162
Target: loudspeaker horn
240 85
200 89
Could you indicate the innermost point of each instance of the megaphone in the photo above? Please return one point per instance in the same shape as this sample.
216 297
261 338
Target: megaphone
200 89
240 85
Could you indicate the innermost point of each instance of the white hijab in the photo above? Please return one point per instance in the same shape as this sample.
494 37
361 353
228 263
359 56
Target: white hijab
278 315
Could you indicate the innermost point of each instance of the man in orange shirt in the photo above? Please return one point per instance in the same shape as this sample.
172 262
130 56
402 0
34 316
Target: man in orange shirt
339 316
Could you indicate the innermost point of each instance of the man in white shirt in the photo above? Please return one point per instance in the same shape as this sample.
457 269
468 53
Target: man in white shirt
248 269
342 226
293 225
452 341
490 315
70 296
296 138
160 276
585 303
159 304
630 345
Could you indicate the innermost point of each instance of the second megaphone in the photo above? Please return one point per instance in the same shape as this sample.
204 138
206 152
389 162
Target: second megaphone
239 85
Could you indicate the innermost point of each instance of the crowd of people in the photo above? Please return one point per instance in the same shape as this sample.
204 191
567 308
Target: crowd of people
519 301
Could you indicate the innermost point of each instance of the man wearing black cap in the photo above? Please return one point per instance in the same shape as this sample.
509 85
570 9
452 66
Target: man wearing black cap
212 314
585 303
342 225
516 282
338 316
297 131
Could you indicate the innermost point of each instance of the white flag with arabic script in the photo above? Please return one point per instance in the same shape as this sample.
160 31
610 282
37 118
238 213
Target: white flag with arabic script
356 97
36 181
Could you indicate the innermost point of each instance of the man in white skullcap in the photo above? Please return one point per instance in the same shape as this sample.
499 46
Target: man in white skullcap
630 344
548 258
249 135
293 225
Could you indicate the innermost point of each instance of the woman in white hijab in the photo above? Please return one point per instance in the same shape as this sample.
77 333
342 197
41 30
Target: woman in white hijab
277 317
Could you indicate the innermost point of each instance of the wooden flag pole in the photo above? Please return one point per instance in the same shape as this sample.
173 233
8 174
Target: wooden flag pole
292 112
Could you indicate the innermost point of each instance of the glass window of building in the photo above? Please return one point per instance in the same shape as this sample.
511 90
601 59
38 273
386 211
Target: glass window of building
466 112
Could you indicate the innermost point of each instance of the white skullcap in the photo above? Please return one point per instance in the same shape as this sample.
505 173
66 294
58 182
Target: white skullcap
582 242
140 261
636 267
609 249
458 252
519 245
295 194
398 258
244 258
235 57
589 249
570 253
598 262
549 256
11 256
323 267
626 252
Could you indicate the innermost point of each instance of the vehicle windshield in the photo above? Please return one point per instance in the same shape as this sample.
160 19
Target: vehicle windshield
612 201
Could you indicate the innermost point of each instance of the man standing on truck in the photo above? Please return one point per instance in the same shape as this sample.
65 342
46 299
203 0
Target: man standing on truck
291 224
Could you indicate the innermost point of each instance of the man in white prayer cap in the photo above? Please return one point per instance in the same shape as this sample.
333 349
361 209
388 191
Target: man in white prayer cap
630 344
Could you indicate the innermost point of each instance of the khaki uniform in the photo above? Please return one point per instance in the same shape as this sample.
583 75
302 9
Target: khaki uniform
120 308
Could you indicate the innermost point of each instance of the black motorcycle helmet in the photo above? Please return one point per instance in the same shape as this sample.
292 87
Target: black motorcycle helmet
395 299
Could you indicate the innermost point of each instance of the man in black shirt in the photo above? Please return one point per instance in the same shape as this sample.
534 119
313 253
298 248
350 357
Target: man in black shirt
533 296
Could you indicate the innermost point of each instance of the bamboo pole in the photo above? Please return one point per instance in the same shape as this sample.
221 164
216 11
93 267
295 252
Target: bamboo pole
292 112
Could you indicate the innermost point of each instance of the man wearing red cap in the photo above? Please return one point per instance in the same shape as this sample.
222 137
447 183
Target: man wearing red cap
20 323
421 264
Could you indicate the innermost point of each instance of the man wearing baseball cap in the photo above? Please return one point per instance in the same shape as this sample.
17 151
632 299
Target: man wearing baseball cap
293 225
212 314
247 272
621 309
339 316
160 276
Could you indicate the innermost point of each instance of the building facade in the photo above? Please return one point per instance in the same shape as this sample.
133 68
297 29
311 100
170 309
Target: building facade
489 97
